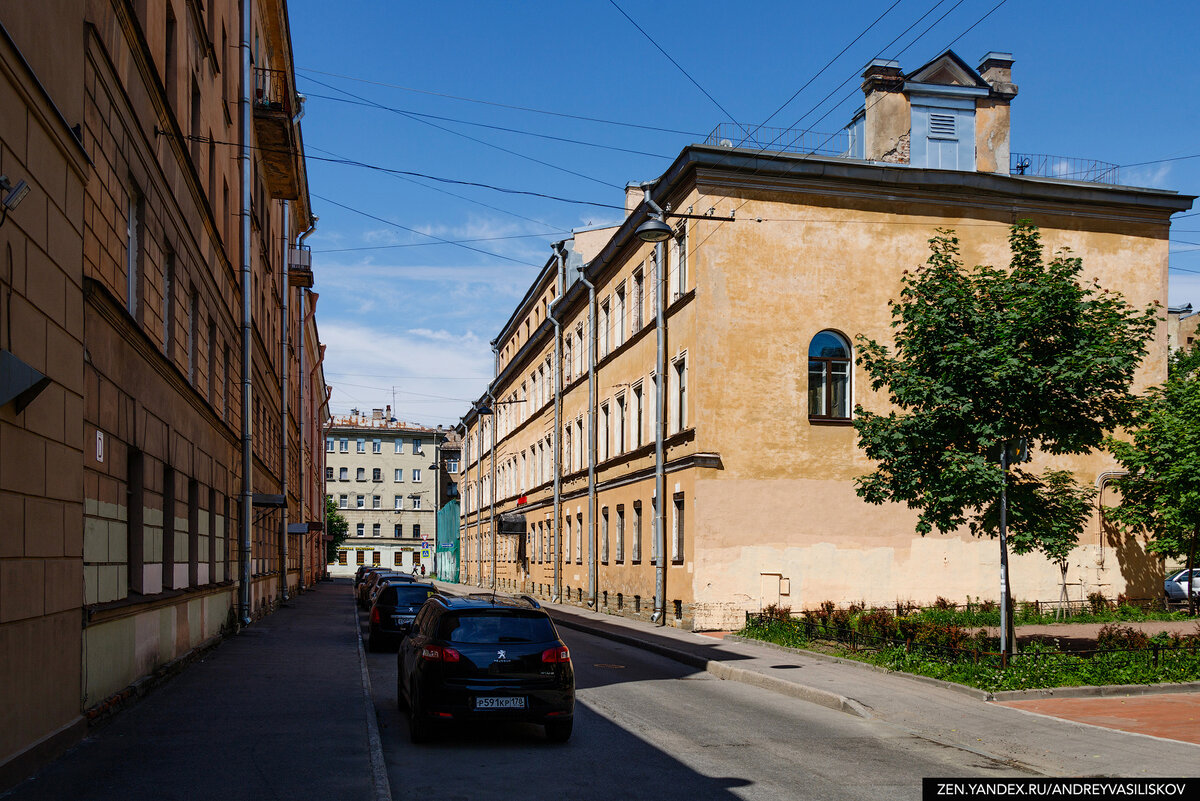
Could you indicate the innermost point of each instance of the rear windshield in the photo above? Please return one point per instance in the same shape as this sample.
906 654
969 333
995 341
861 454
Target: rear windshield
494 627
404 594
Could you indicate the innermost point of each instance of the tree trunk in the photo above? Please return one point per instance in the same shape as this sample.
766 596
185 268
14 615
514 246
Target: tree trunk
1063 601
1012 628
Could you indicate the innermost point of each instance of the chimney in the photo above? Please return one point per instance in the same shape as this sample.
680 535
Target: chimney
388 414
633 196
888 120
377 414
992 119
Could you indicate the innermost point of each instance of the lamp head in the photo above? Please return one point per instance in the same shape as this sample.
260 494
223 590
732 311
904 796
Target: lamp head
654 230
14 193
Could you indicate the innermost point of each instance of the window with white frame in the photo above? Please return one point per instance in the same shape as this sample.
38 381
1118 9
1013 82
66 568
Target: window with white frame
579 539
329 474
398 531
398 475
679 378
567 538
637 424
620 534
343 473
415 501
398 445
619 316
638 300
579 442
605 324
416 474
602 444
360 474
360 530
376 446
376 474
677 529
344 445
635 540
375 502
416 443
619 432
361 445
329 444
567 449
452 465
567 359
360 502
580 351
343 501
397 501
375 530
653 529
604 535
679 262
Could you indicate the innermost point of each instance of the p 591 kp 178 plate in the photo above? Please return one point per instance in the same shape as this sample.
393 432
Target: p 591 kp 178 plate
484 702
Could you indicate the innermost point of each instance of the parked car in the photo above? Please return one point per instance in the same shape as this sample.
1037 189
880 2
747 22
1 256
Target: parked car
485 658
364 572
393 610
384 582
1175 585
364 589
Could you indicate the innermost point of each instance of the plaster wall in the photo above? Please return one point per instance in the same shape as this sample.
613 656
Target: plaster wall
992 135
886 127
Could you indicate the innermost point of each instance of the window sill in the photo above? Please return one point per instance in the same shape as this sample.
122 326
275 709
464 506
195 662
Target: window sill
830 421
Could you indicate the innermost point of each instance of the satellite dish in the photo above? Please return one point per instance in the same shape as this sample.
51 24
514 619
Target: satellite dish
726 143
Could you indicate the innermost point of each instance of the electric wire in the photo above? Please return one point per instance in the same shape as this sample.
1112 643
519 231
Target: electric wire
528 109
432 244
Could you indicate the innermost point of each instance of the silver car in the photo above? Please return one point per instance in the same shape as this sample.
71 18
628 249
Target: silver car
1175 585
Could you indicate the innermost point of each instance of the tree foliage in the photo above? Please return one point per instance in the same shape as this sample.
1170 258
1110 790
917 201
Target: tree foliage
1160 493
984 357
336 527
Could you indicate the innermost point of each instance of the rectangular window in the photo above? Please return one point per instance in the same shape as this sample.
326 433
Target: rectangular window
342 558
602 445
193 332
360 557
329 474
360 474
397 501
579 539
604 535
416 445
416 501
680 416
679 252
168 304
677 530
567 363
375 557
360 445
416 474
654 530
567 539
639 302
329 444
398 531
360 502
620 431
452 465
638 422
399 475
344 445
417 530
343 501
619 321
375 530
376 474
360 530
343 473
635 543
605 325
580 350
375 502
134 238
620 538
397 558
376 446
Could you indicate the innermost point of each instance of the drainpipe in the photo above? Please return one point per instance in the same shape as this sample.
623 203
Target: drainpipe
492 480
303 419
284 291
247 506
591 433
479 505
562 272
660 420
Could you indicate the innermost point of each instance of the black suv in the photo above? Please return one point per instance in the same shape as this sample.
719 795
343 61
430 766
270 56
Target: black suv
392 613
485 657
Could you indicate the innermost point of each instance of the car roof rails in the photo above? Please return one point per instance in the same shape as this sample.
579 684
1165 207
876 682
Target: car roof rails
531 600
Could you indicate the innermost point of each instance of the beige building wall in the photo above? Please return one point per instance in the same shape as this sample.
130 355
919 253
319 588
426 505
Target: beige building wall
358 473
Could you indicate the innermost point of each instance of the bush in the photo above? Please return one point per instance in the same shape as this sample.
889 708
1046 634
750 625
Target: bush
1098 603
1121 638
777 612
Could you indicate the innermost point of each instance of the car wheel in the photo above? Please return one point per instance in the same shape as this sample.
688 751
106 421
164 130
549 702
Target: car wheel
419 726
372 643
559 731
401 704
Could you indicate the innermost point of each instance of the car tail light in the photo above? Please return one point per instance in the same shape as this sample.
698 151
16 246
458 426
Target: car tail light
556 655
375 614
436 653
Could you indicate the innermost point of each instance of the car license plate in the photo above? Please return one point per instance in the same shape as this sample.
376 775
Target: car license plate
403 620
500 703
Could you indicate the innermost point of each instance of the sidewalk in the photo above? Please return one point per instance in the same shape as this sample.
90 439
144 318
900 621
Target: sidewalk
954 716
277 711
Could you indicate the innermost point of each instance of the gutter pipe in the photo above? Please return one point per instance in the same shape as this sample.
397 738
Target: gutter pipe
561 252
284 291
660 420
303 420
591 434
492 481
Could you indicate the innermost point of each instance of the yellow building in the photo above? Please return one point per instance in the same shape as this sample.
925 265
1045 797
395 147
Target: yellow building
735 338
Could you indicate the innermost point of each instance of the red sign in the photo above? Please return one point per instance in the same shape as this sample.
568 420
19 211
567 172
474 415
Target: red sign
522 500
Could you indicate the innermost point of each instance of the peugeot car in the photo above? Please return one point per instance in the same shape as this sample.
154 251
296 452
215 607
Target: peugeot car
485 658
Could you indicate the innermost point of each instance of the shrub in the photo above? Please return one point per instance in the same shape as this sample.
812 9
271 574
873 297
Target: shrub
944 604
777 612
1098 603
877 623
1119 638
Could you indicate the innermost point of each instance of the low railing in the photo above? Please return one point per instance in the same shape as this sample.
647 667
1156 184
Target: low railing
779 140
1067 168
271 91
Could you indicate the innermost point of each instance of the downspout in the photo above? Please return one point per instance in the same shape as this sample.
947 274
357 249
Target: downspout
247 505
660 421
591 433
303 419
479 505
557 459
492 480
284 291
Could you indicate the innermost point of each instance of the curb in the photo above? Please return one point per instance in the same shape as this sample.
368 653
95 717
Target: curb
379 776
722 670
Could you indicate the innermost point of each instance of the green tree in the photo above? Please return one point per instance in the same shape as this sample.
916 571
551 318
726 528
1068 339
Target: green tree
336 527
1160 493
985 359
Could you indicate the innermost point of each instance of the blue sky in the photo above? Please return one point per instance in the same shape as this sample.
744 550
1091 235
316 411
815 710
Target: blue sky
1104 80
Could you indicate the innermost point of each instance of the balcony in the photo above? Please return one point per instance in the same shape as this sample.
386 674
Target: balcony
274 106
300 272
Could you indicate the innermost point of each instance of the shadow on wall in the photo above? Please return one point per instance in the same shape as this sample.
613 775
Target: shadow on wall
1142 571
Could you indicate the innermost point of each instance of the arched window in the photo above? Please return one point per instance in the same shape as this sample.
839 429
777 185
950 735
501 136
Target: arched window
829 377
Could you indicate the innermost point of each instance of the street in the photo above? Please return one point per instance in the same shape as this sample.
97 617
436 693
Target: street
649 727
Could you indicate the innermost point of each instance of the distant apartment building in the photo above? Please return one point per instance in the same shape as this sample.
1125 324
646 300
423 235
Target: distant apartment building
160 426
384 478
669 431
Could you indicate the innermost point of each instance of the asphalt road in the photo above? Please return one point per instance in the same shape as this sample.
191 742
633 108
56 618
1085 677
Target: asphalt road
649 727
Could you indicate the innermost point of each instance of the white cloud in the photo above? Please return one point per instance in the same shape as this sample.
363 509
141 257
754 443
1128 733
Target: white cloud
1154 176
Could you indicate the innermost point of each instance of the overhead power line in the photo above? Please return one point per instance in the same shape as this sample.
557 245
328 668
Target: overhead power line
564 115
431 244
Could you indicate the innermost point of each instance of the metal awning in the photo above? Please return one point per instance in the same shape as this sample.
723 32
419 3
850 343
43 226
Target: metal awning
512 523
264 500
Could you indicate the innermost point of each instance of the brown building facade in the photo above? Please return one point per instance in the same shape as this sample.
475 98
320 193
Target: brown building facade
166 179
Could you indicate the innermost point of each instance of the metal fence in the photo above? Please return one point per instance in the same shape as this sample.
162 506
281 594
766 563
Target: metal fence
271 90
1067 168
779 140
